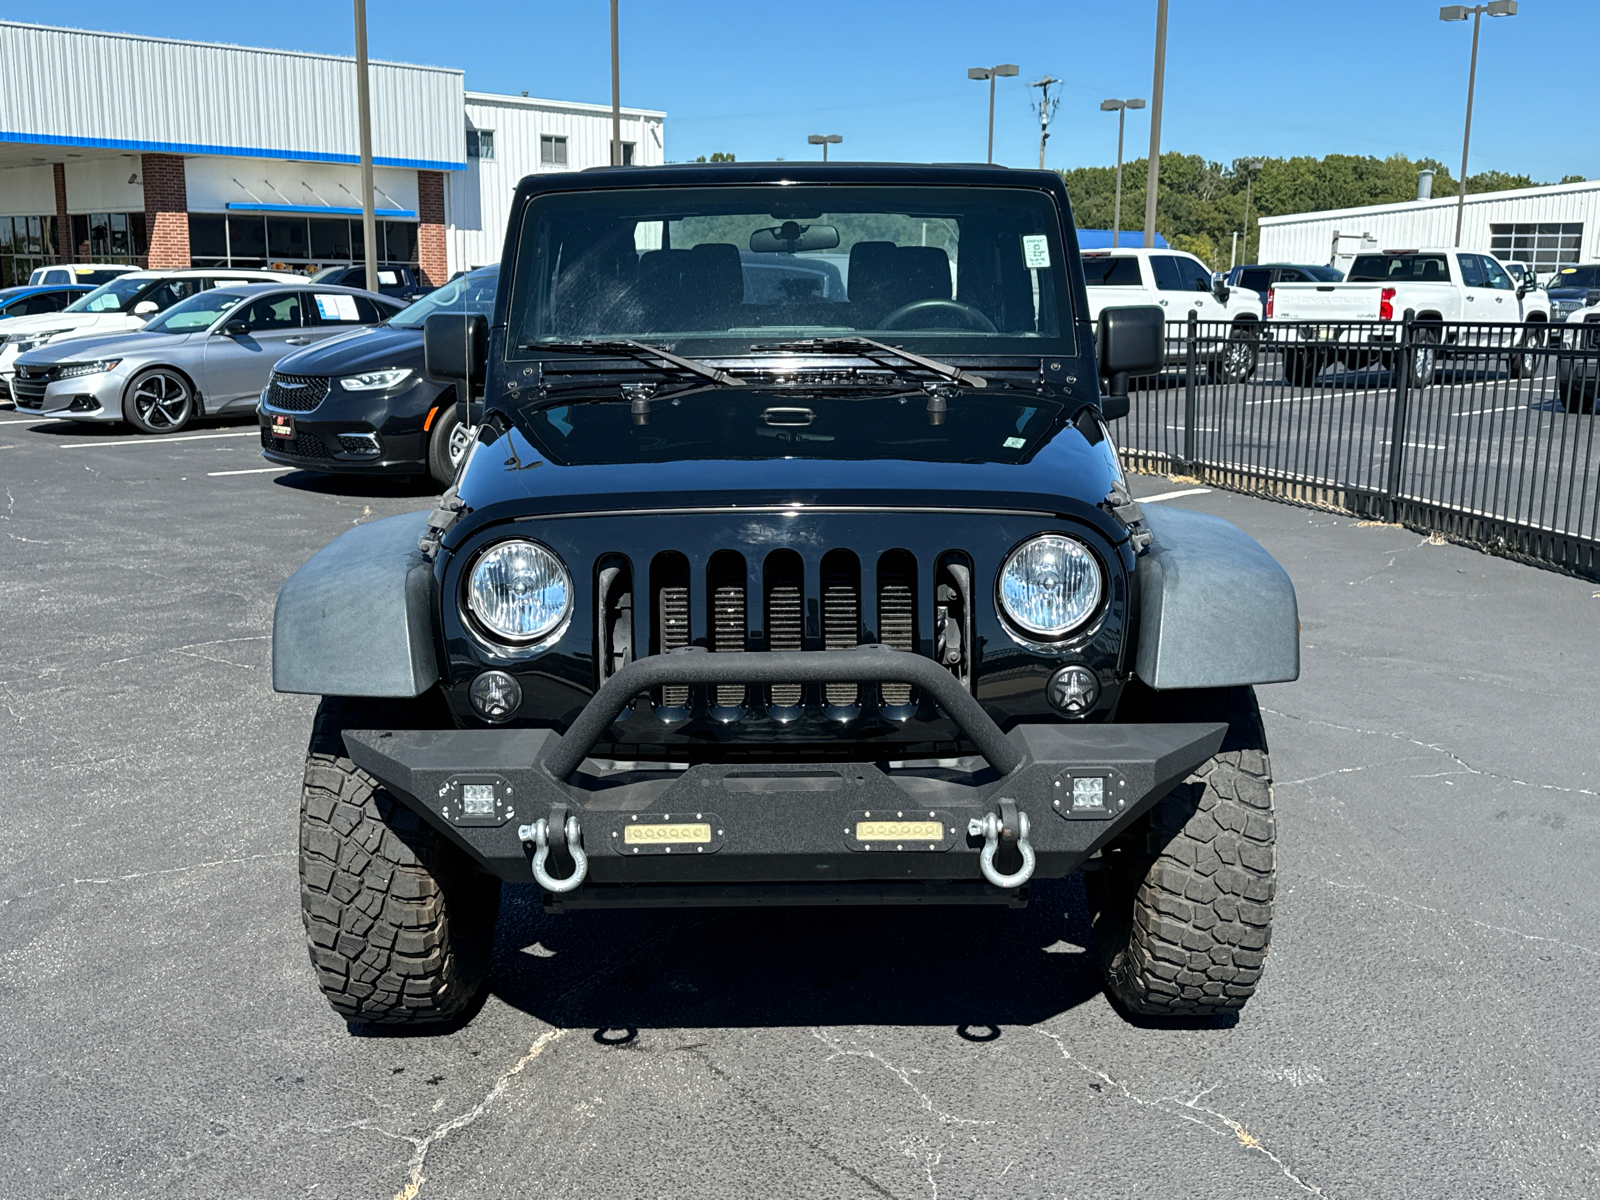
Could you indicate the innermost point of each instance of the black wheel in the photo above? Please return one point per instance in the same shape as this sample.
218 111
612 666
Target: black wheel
1300 367
1236 361
1182 903
1424 357
398 922
447 446
158 400
1576 396
1523 364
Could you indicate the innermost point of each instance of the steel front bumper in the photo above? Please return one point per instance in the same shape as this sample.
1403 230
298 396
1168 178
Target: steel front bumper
784 832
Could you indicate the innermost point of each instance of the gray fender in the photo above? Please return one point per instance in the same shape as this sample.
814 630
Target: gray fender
1215 609
356 620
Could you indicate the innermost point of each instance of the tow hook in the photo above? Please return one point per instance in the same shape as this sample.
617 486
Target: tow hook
551 833
1008 826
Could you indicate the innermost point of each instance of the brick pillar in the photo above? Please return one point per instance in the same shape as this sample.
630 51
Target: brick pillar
63 222
166 210
432 258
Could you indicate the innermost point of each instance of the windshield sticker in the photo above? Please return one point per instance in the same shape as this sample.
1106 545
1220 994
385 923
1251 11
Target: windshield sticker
1015 443
1035 250
337 307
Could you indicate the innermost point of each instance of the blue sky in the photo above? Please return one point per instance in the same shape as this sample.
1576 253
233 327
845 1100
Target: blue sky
1243 77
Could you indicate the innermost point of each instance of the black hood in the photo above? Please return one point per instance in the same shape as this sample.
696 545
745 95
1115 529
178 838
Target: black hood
360 350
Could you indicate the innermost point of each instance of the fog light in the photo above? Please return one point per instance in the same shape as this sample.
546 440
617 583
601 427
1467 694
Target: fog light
1088 793
495 695
1073 690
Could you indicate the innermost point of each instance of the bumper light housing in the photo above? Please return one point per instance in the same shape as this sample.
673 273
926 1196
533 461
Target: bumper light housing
495 696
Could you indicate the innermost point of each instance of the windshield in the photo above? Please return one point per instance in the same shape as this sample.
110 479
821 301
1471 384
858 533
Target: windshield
329 274
1576 277
472 293
1325 274
1404 268
111 297
718 269
733 423
197 312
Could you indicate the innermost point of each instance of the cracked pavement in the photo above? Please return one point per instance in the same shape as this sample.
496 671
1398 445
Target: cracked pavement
1425 1026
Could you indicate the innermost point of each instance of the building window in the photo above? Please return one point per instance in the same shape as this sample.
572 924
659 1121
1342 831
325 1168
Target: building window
627 154
108 237
295 243
1546 245
480 143
25 244
552 151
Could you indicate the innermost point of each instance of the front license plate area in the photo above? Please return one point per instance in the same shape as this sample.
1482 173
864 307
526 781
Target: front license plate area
282 426
637 834
900 830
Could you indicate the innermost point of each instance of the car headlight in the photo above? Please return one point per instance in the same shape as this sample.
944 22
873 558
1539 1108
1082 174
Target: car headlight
1050 585
518 591
29 341
375 381
99 367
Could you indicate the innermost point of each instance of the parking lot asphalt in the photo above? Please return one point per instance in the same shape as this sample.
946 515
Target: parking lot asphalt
1425 1027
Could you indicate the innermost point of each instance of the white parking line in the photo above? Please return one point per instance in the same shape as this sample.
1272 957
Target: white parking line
251 471
155 441
1170 495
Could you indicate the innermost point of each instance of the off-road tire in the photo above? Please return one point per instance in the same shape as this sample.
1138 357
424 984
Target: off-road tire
398 922
1182 903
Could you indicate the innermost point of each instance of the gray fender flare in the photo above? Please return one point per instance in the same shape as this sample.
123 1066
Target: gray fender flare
357 618
1215 609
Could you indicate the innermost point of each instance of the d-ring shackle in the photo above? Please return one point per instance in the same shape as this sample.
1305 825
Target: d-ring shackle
539 834
988 828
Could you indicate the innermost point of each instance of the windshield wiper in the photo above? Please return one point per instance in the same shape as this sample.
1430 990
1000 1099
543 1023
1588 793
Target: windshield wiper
942 369
643 352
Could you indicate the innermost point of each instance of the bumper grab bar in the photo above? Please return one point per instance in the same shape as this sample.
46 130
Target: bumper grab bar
696 665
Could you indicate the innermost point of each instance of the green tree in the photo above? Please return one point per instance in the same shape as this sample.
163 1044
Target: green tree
719 156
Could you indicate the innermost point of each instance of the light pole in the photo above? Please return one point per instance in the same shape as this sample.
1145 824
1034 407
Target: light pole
1047 109
991 74
825 140
369 223
616 92
1460 12
1251 165
1120 107
1153 180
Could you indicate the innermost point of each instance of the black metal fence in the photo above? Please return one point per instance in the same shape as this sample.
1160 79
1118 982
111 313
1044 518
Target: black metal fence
1485 433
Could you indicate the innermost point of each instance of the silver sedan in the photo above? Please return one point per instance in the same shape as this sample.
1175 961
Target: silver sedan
206 355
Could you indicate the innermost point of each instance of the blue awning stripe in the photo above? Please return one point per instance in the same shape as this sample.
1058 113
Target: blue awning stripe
323 210
50 139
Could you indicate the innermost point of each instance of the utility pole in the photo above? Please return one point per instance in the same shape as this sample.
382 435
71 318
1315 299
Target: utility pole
1047 109
1120 107
1460 12
369 220
616 92
1233 254
1252 165
1153 180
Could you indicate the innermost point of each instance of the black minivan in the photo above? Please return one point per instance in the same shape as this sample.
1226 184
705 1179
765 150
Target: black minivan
362 404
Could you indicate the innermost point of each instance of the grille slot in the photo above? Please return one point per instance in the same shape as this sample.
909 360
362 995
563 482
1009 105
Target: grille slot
302 445
669 584
897 615
841 618
785 618
725 578
297 393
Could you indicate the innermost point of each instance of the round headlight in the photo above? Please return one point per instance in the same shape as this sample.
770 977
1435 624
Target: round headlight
1050 585
519 591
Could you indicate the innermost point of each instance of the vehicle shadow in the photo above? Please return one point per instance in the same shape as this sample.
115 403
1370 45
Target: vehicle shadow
120 430
375 486
975 969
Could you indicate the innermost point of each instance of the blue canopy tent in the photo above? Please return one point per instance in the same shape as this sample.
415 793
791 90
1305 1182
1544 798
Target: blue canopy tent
1100 239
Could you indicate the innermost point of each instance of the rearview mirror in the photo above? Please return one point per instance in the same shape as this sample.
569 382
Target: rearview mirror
455 350
792 236
1127 343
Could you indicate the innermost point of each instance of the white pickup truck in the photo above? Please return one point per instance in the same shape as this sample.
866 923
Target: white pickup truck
1180 284
1466 293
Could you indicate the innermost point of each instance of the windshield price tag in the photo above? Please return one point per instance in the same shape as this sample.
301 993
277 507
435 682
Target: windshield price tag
1035 250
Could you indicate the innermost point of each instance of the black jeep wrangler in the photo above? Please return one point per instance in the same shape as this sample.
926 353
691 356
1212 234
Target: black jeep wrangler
792 563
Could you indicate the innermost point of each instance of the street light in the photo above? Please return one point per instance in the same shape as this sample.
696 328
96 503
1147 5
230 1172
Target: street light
1251 165
991 73
369 224
825 140
1460 12
1120 107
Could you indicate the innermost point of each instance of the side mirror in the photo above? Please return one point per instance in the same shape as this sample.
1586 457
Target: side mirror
145 307
455 350
1128 342
236 328
1220 291
1591 297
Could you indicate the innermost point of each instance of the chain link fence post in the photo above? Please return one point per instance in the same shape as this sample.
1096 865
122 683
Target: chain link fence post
1397 431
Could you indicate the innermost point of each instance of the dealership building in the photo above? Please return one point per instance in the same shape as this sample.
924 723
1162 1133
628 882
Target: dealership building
115 148
1546 227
